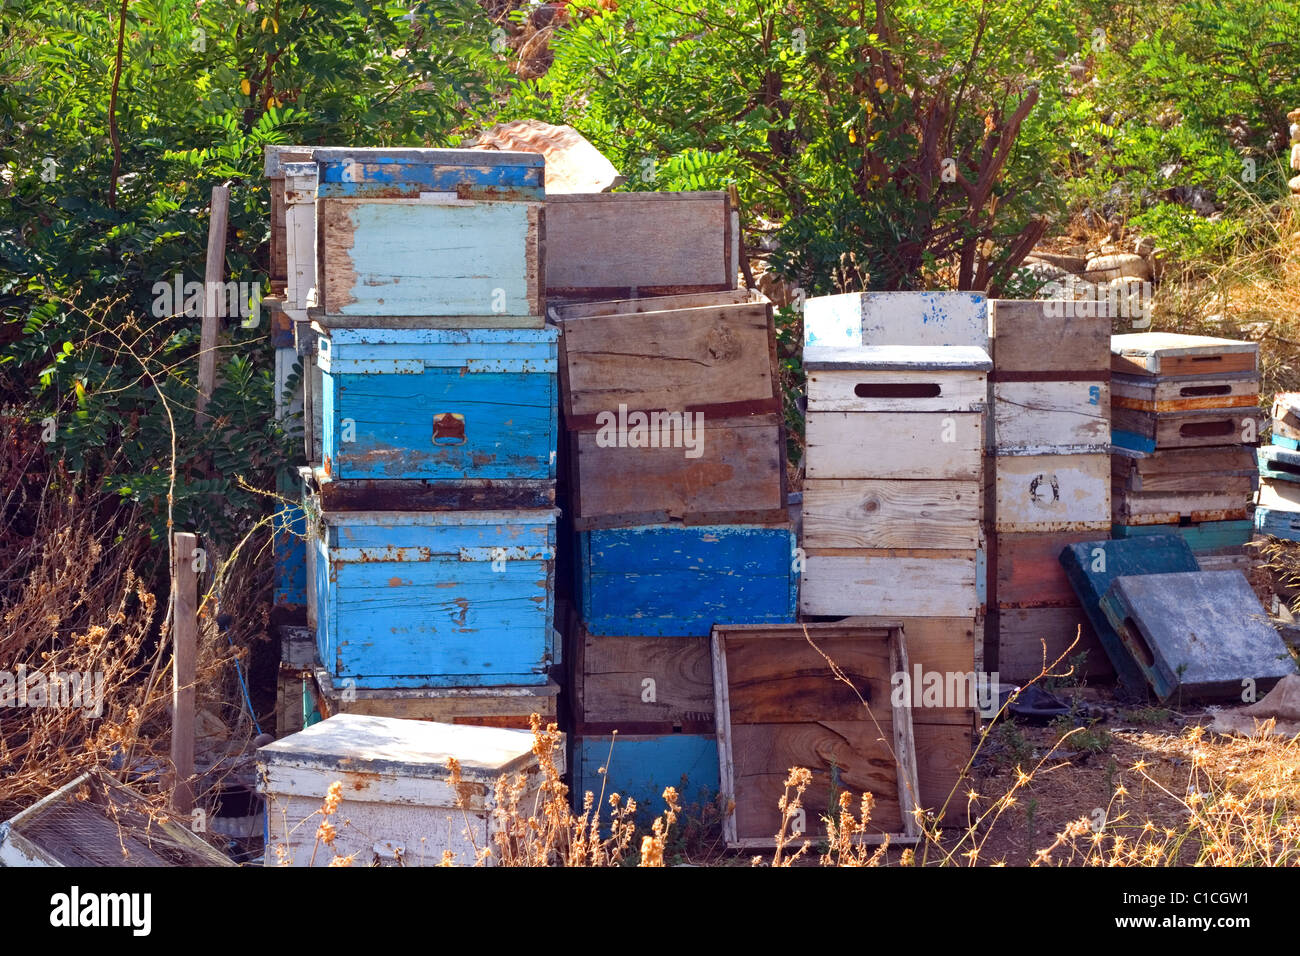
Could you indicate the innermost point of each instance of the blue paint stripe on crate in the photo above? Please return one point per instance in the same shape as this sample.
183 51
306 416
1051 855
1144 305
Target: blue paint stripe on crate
1132 441
1278 523
676 581
1200 537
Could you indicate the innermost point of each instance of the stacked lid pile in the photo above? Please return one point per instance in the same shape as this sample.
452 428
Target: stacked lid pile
676 460
1049 481
1185 421
1277 509
414 288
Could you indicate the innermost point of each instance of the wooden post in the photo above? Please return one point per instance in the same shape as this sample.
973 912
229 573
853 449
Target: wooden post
213 298
185 633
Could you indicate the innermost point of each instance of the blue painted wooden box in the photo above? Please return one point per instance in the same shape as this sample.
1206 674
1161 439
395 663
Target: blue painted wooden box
1201 536
439 404
397 173
289 549
429 232
681 580
435 599
642 766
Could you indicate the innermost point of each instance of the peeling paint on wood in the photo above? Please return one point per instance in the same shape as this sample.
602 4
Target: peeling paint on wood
406 257
675 580
429 599
897 318
439 404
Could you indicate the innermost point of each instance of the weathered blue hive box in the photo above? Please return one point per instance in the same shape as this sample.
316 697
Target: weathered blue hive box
680 580
289 548
410 232
642 766
1201 536
435 599
439 404
1277 509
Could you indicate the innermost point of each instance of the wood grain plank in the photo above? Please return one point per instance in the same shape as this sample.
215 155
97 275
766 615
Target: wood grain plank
891 513
843 585
898 445
1043 336
1022 633
1042 493
638 680
1037 417
870 390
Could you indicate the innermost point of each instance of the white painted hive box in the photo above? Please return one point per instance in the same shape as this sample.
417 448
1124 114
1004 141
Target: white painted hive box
398 803
897 318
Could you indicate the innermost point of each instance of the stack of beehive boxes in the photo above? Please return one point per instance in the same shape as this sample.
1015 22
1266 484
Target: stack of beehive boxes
1049 478
892 516
1277 508
677 465
1185 419
431 504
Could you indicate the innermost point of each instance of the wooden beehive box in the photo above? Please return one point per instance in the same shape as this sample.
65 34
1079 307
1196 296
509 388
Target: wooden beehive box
1147 394
1053 492
430 233
1156 431
897 318
398 802
679 580
672 407
1173 355
642 766
1277 509
435 598
640 684
892 508
439 404
607 245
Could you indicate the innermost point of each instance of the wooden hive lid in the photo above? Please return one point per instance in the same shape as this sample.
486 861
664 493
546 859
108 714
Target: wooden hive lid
902 358
405 748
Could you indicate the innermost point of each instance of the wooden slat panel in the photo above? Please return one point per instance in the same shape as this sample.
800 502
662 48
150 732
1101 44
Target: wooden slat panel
1190 429
740 468
633 680
676 359
841 584
1043 336
1022 632
898 445
1047 417
891 513
869 390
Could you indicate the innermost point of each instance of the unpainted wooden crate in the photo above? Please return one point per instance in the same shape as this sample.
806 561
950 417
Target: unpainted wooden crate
854 725
1048 340
607 245
398 805
435 598
841 513
438 404
915 445
637 684
1060 640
